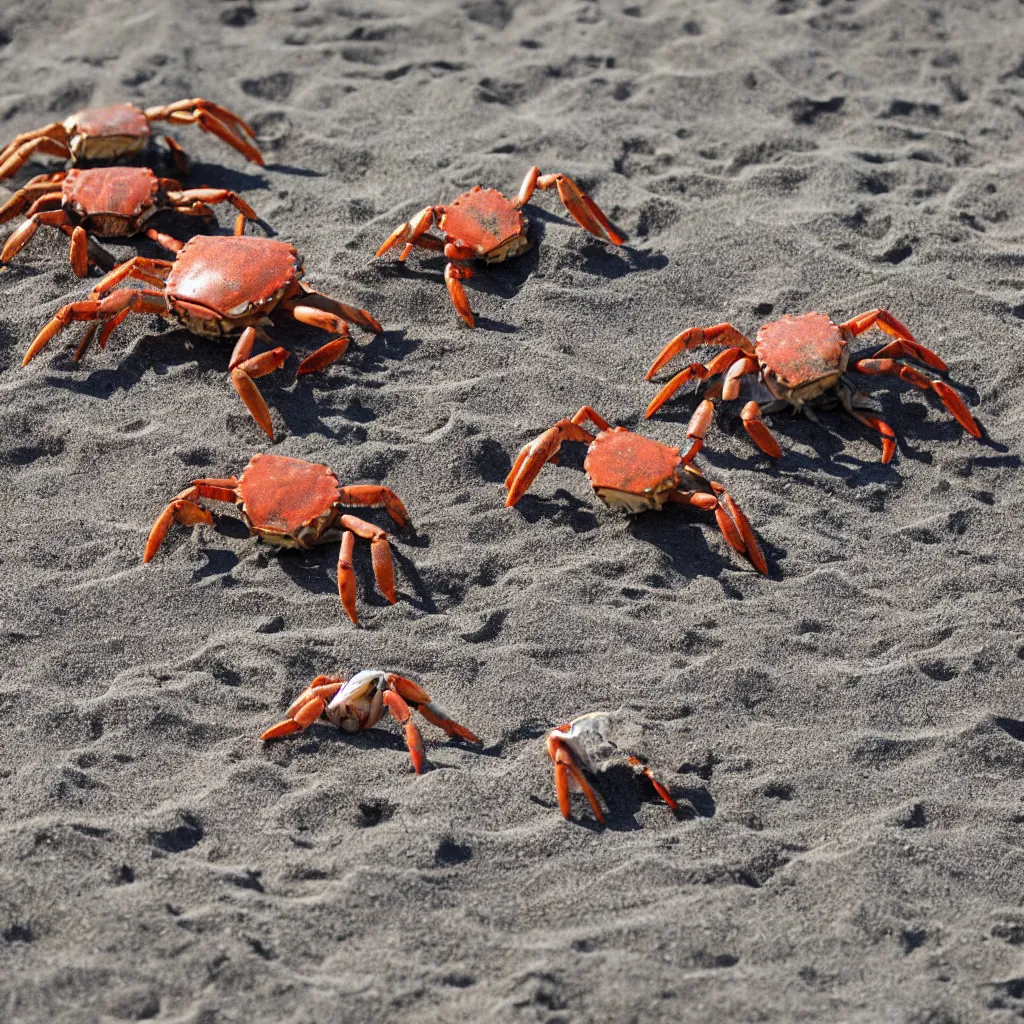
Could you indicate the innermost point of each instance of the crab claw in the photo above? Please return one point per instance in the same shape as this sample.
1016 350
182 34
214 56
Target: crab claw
306 708
736 528
453 278
542 449
181 510
659 787
416 696
581 207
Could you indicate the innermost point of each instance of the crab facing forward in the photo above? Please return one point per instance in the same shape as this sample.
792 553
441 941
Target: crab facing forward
585 745
803 361
634 473
108 202
107 134
359 703
218 284
485 225
295 504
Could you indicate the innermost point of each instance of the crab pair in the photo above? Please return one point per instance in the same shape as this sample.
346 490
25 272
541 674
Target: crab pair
217 285
483 224
108 202
104 134
295 504
802 361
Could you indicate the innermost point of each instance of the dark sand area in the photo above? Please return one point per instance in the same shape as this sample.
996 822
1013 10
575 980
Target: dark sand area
845 737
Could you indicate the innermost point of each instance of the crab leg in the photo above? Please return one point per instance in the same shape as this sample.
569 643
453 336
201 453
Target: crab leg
193 198
334 349
950 399
380 553
164 240
455 272
306 708
565 763
21 237
411 233
885 321
138 267
659 787
375 496
212 118
695 337
183 508
401 714
27 195
256 366
581 207
16 156
724 361
353 314
542 449
55 132
418 698
137 301
758 431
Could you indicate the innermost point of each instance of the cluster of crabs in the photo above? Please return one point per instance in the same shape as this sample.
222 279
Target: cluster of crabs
235 286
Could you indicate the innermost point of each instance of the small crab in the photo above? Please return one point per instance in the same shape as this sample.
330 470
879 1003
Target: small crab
802 361
585 744
359 703
634 473
295 504
108 202
483 224
106 134
218 284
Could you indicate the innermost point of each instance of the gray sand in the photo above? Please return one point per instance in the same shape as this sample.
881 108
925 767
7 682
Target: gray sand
846 737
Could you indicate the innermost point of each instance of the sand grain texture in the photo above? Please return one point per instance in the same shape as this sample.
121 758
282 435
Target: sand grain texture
847 736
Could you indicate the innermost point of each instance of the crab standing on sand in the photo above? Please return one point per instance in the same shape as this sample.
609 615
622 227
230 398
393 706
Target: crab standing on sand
803 360
584 744
106 134
359 703
485 225
295 504
108 202
633 473
216 285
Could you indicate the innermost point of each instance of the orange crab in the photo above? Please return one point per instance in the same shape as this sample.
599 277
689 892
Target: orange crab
634 473
802 360
295 504
585 744
216 285
483 224
359 703
108 202
106 134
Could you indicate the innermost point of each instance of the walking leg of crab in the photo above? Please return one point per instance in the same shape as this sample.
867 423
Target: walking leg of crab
401 714
306 708
721 334
885 321
659 787
334 349
581 207
183 509
212 118
16 156
353 314
418 698
138 267
375 496
950 399
542 449
736 528
724 361
566 765
409 234
193 197
758 431
40 187
91 309
380 554
454 275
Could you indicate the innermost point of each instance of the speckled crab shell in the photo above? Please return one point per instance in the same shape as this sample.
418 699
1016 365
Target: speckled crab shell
111 201
219 282
801 354
620 464
487 222
288 502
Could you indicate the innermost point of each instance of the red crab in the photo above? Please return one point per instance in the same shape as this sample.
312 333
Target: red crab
585 744
107 202
634 473
295 504
218 284
801 360
485 225
358 703
106 134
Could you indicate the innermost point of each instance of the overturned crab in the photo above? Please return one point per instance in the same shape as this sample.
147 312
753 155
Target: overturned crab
485 225
803 361
106 134
359 703
634 473
216 285
585 745
108 202
295 504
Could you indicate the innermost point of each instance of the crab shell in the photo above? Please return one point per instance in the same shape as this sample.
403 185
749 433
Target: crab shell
801 357
112 202
487 222
287 502
220 283
631 472
359 704
104 133
588 736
